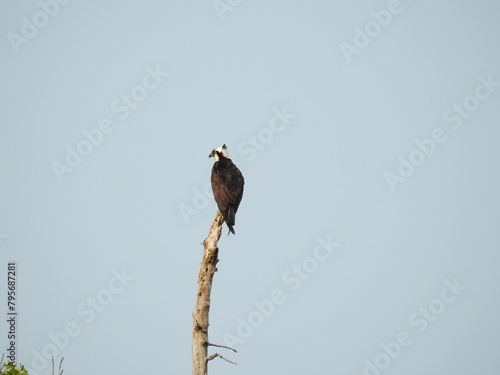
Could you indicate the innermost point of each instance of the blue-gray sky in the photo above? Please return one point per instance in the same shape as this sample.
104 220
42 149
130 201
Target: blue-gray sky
367 239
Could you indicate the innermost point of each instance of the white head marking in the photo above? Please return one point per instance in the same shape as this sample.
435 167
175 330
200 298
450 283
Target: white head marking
220 150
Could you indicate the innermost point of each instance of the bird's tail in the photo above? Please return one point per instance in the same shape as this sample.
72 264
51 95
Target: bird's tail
229 219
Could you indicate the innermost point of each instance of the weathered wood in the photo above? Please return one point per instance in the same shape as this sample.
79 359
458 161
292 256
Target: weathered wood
202 306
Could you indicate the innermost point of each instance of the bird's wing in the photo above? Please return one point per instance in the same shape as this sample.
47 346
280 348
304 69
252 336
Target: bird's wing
225 196
222 196
238 183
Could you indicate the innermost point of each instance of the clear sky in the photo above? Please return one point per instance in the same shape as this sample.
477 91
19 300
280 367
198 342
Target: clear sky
367 241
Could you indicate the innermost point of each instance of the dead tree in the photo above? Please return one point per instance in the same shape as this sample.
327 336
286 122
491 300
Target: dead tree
200 314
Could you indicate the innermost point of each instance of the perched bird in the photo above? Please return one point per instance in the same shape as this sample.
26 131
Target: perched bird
227 185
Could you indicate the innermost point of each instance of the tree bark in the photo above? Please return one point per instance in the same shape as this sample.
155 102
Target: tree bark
200 314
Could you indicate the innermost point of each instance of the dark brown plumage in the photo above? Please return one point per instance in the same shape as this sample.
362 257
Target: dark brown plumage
227 185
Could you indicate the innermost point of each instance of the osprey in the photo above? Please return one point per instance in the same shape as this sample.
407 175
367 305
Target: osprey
227 185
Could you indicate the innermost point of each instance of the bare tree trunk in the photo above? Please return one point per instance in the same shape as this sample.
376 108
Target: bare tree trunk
202 306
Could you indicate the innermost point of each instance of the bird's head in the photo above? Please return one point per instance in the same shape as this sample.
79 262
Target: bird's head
218 152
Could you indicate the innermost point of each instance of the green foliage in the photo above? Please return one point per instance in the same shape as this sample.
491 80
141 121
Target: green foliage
12 369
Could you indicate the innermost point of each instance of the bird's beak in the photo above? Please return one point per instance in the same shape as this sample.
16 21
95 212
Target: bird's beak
211 155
